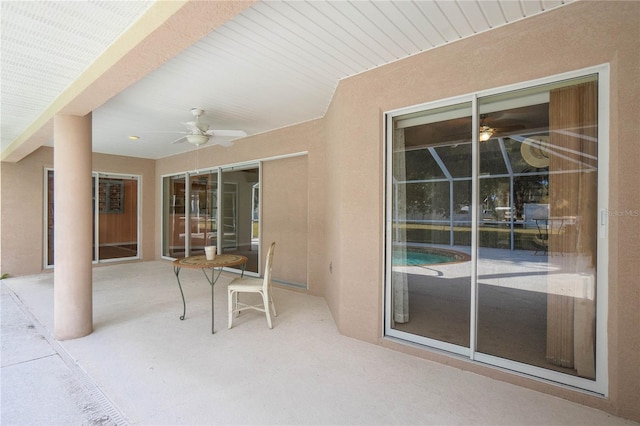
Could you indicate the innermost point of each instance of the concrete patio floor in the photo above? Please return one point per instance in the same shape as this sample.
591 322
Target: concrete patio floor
142 365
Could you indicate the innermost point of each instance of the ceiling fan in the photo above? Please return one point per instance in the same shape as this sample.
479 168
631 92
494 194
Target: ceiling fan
488 128
198 133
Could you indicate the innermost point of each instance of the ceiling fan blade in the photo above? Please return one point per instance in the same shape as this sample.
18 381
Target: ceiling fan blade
180 140
161 131
227 133
192 127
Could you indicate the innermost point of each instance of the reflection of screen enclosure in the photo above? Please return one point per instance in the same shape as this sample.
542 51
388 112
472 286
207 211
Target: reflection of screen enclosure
526 214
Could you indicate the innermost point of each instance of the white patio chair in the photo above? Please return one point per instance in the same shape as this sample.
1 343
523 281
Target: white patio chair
253 285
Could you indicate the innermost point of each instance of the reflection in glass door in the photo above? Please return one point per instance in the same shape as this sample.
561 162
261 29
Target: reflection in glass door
431 223
174 216
238 207
493 232
116 212
203 208
117 217
49 213
536 303
197 214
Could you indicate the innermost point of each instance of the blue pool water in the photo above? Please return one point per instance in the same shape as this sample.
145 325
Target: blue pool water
417 258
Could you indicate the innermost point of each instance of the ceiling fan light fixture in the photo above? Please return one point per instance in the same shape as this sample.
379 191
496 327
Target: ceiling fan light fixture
485 133
197 139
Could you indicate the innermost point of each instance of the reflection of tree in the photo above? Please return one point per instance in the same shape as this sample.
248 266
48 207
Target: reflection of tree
427 200
529 189
490 191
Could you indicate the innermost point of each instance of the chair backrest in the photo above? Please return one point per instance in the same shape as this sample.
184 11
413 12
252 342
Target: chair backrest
267 268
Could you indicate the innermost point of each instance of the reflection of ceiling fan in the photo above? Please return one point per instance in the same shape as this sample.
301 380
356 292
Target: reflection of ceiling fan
199 133
487 129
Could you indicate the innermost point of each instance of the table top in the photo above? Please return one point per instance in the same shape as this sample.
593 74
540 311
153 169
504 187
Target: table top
220 261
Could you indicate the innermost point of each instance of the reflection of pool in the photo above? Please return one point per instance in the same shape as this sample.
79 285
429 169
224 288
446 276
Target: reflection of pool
426 256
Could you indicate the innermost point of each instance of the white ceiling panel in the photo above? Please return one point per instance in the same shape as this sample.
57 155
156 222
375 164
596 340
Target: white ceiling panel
531 7
493 12
475 16
440 21
275 64
456 17
374 26
550 4
512 10
423 23
398 13
391 26
46 45
339 24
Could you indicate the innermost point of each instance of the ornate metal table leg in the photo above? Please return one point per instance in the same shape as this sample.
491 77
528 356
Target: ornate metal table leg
176 270
212 282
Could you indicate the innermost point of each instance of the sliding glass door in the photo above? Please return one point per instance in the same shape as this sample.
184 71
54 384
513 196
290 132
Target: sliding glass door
239 209
174 208
431 192
117 233
493 229
116 211
218 207
539 308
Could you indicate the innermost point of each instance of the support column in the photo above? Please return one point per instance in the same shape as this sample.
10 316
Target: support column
73 227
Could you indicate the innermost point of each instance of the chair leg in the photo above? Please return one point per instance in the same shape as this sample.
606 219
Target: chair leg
273 305
230 297
265 300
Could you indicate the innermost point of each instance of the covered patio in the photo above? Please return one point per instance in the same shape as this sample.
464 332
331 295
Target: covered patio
316 86
142 365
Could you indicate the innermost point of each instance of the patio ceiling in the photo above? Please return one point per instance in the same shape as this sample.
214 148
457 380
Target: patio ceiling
271 65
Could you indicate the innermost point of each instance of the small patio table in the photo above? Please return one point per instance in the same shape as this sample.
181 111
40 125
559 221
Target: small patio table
216 266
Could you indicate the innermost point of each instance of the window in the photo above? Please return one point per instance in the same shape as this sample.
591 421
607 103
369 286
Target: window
493 230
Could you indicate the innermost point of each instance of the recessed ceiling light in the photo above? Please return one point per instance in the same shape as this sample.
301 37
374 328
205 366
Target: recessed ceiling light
134 138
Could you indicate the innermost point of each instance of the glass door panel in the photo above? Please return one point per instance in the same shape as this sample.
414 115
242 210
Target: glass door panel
94 225
431 224
117 217
203 210
50 219
174 216
239 210
538 185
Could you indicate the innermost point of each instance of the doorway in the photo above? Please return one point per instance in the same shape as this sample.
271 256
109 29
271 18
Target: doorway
116 234
216 207
493 239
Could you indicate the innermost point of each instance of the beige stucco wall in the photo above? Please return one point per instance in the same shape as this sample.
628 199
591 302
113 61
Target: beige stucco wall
22 208
574 37
284 212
